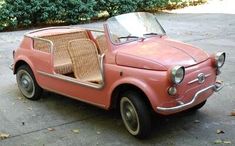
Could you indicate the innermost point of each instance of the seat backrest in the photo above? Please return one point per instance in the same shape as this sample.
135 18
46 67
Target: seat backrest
85 60
60 42
102 43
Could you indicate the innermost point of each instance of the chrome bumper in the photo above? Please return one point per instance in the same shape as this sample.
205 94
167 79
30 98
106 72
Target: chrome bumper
216 87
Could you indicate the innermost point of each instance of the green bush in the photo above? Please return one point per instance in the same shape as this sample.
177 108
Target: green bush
115 7
26 13
75 11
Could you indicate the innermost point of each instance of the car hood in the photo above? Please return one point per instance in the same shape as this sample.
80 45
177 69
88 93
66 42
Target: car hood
159 54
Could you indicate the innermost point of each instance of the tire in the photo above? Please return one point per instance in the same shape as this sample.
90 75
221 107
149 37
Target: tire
197 107
135 114
27 83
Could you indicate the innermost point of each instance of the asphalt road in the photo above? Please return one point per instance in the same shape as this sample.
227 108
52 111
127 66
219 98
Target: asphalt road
27 122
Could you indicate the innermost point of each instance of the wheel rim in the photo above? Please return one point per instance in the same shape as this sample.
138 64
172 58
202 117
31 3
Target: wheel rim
129 116
25 83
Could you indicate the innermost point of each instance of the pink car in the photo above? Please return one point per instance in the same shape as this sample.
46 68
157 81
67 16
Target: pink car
130 65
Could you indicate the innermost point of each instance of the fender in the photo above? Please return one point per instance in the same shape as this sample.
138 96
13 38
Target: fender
25 59
148 91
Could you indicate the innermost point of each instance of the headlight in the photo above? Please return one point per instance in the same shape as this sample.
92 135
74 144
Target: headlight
220 59
177 74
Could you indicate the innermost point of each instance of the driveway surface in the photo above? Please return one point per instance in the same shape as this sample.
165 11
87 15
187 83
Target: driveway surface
58 121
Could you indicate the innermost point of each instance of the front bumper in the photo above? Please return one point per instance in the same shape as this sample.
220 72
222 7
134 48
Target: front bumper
215 87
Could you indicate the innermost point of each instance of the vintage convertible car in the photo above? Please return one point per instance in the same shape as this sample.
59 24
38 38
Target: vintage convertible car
130 65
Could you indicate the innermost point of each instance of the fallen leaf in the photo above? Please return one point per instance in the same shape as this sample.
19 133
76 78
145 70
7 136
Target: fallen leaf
4 136
218 131
188 33
75 130
218 141
50 129
233 113
227 142
30 108
98 132
196 121
19 98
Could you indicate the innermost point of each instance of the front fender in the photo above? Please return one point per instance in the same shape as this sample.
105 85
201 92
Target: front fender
24 59
148 90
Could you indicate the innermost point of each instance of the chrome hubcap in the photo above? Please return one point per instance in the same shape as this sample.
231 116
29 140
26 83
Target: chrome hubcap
129 116
25 83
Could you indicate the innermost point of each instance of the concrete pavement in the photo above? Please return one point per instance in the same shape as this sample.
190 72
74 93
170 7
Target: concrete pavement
28 121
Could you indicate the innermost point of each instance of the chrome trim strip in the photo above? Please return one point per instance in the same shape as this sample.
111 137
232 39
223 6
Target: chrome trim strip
47 41
102 66
72 80
63 27
196 80
216 87
82 100
47 28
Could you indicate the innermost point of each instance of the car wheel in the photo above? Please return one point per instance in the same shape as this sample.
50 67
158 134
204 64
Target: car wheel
197 107
135 114
27 83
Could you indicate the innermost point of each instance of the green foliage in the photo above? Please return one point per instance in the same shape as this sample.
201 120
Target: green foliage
76 11
26 13
153 4
115 7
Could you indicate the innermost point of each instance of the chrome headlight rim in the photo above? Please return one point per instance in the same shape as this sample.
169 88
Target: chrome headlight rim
174 72
218 57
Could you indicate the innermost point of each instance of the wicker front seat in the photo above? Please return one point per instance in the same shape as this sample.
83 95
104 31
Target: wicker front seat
102 44
84 56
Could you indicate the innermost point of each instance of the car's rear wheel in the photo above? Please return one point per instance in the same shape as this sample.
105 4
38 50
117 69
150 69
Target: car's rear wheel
27 83
135 114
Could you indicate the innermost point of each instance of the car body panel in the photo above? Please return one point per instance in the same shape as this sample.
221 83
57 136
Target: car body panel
162 52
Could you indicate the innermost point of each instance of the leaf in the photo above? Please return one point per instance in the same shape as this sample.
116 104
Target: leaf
233 113
98 132
227 142
50 129
75 130
4 136
218 141
30 108
218 131
19 98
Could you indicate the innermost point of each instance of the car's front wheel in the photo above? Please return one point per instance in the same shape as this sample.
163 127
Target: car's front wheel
135 114
27 83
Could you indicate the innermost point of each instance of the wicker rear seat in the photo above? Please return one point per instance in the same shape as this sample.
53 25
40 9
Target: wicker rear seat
62 61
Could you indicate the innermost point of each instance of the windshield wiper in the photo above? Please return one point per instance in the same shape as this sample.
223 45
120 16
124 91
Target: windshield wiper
129 36
151 33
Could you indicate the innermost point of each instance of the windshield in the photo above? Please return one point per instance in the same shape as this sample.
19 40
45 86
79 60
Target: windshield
133 26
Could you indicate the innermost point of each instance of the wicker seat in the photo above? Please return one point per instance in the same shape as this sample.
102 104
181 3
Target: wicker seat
102 43
62 61
84 56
